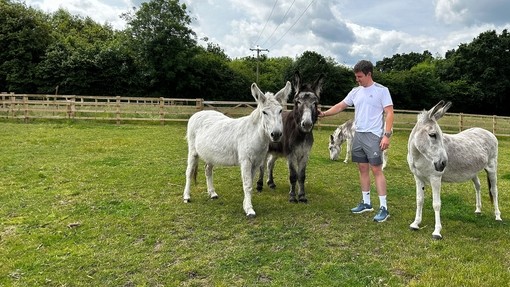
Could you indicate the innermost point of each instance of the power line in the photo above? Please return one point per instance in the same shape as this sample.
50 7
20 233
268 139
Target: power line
285 16
267 21
311 2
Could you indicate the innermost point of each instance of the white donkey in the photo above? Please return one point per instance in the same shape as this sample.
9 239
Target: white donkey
434 157
345 133
221 140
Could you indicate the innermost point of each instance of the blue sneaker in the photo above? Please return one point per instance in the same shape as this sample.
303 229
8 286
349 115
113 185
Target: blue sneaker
382 215
362 207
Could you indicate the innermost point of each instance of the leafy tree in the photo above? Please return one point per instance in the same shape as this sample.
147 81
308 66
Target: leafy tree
164 45
24 37
271 76
402 62
244 69
414 89
211 77
85 58
339 80
482 66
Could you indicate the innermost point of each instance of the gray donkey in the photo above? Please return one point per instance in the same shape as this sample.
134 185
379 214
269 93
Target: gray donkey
297 138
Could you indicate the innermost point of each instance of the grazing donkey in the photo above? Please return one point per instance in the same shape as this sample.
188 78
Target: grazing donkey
220 140
297 138
434 157
345 133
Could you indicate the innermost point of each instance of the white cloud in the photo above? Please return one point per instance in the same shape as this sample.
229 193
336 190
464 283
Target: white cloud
341 29
451 11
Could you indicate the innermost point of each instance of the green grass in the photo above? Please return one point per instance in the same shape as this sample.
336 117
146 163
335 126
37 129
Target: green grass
87 204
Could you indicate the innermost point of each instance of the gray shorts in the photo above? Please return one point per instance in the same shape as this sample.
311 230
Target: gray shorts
366 149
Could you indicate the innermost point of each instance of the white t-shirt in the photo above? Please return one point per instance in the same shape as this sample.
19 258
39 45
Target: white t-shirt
369 104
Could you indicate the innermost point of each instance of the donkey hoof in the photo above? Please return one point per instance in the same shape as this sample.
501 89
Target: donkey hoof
271 185
293 200
437 236
259 187
214 197
250 215
303 200
187 200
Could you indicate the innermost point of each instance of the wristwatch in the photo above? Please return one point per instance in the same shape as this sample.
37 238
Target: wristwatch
388 134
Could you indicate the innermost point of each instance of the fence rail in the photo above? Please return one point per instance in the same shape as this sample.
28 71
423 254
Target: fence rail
28 107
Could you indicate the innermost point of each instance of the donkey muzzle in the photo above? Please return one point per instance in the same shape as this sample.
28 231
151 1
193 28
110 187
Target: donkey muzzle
276 136
440 165
306 126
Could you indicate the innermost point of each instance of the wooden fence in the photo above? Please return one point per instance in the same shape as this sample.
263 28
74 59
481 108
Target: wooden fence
29 107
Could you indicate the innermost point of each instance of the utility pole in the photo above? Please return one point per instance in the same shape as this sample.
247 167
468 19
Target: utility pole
258 49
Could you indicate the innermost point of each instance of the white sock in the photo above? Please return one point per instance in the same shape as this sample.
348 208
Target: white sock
382 200
366 197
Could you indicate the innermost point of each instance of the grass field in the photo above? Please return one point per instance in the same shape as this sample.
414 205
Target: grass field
88 204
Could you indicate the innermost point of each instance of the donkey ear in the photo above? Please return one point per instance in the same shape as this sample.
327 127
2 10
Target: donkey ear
433 111
257 93
297 81
317 85
440 109
331 139
283 95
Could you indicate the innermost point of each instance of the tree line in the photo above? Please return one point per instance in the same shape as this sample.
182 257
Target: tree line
158 54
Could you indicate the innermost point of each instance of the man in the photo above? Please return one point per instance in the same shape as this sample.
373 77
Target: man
372 106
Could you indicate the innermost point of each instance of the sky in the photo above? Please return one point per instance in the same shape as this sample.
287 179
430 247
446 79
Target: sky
344 30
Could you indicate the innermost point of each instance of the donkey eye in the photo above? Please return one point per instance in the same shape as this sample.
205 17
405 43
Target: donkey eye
264 112
433 135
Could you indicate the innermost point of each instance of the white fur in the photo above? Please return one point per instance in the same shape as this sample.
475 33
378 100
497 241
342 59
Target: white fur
221 140
434 157
345 133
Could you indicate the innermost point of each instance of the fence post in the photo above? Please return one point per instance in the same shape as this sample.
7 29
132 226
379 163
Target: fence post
200 104
11 106
461 121
162 110
494 123
25 108
71 108
117 98
4 103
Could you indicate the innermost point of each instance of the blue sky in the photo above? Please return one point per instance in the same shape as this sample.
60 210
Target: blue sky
344 30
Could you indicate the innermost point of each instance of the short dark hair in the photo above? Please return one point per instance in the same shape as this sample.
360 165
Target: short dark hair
364 66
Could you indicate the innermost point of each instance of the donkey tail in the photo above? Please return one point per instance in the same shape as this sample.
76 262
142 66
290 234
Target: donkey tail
490 193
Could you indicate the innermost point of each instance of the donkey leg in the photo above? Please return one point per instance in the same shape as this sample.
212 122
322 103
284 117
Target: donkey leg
209 180
191 171
476 183
247 172
436 204
420 189
292 180
270 168
348 149
493 189
301 183
260 181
